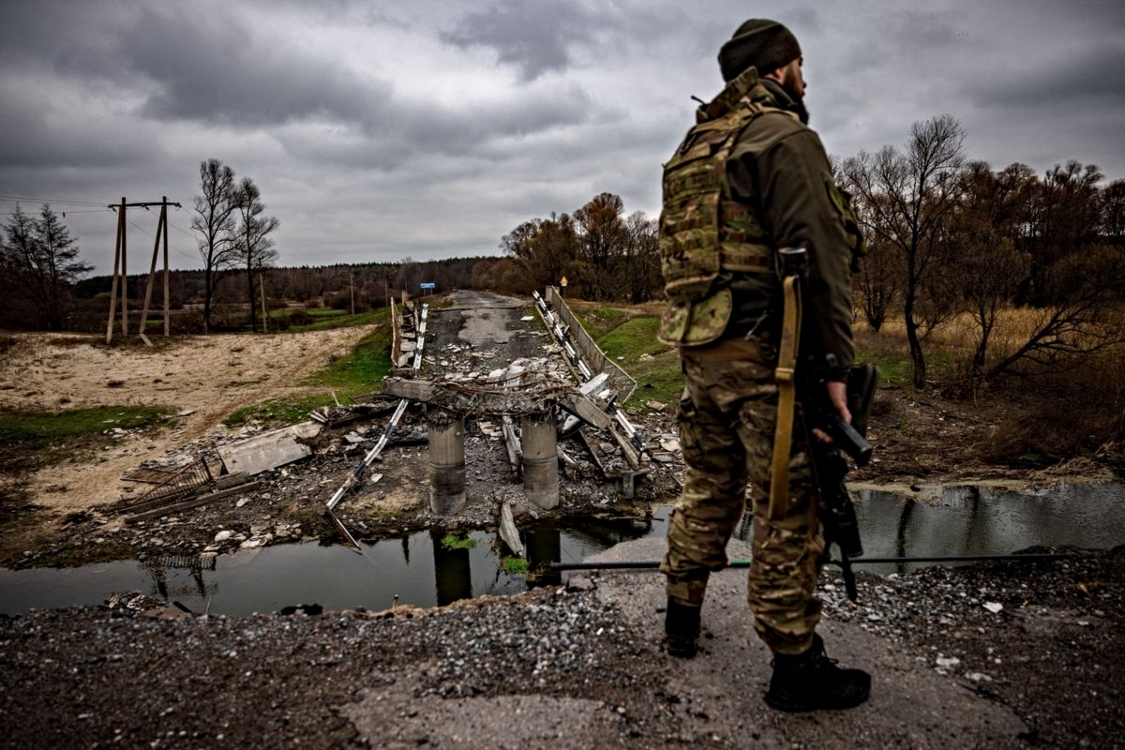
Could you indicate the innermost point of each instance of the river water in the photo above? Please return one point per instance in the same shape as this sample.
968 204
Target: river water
423 572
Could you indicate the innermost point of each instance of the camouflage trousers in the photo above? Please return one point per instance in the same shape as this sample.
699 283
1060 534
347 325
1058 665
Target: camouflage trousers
728 416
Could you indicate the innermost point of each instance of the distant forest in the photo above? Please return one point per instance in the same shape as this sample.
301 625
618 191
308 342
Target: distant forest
349 287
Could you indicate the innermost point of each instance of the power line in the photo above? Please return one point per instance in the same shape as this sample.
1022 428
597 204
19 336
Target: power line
181 231
64 213
15 198
171 247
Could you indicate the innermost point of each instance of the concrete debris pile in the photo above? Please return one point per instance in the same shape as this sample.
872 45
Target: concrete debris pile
260 535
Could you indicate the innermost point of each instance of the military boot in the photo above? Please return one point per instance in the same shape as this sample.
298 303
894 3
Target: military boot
681 629
811 681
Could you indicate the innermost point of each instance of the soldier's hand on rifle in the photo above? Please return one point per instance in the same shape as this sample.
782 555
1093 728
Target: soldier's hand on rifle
838 395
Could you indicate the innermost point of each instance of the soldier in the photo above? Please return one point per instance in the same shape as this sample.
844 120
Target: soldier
750 179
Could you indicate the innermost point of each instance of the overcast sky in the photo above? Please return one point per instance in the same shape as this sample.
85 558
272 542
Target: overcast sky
428 129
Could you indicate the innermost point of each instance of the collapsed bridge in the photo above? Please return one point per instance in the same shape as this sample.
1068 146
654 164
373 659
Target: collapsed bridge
536 406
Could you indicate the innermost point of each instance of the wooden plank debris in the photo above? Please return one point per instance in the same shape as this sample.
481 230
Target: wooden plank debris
193 503
508 531
512 443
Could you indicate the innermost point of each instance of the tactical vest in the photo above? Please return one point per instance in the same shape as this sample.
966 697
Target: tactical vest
705 236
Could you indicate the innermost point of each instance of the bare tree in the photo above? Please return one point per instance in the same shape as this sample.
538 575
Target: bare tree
252 239
988 268
40 261
544 249
878 283
642 258
1066 222
1113 212
602 242
909 195
1083 320
216 223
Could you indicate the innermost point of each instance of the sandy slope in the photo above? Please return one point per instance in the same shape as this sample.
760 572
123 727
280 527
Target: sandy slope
203 378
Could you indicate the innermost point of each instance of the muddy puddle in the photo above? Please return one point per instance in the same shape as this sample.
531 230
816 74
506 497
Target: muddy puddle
419 570
422 571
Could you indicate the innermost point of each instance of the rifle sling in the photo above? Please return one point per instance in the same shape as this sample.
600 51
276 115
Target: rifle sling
784 376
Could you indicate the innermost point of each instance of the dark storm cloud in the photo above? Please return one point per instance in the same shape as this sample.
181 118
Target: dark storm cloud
407 131
525 36
219 69
1093 76
29 143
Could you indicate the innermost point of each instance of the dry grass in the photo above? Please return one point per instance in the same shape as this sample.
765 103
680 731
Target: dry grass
1076 411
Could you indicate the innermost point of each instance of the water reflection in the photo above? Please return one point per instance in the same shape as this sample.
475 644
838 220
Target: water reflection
981 520
452 574
974 520
418 570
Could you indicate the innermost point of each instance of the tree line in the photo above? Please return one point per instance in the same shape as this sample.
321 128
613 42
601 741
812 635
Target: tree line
604 254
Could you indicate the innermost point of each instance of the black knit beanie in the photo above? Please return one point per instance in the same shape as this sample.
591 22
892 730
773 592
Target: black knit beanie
767 45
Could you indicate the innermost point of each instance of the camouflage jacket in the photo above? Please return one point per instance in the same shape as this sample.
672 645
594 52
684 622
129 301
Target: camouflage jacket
778 168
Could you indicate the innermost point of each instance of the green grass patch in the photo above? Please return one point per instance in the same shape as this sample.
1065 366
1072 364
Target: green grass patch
362 370
278 412
632 340
633 345
33 438
516 566
658 379
324 319
894 370
455 541
598 321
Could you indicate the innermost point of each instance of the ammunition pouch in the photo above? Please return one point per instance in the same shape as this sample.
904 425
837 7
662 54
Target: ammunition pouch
695 322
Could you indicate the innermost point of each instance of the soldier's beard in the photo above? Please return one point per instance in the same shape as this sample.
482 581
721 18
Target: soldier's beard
793 85
798 102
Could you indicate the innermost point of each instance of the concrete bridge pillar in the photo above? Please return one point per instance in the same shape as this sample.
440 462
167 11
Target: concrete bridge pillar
447 461
539 443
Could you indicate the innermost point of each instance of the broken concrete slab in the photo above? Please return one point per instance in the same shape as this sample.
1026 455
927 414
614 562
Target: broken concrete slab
269 450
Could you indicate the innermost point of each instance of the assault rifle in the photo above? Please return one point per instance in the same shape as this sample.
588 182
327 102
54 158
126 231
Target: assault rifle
837 514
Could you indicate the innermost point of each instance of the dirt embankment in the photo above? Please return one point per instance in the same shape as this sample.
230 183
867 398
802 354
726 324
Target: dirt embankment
200 379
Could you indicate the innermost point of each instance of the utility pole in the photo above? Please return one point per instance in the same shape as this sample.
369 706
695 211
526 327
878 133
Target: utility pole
118 256
167 306
265 312
120 269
